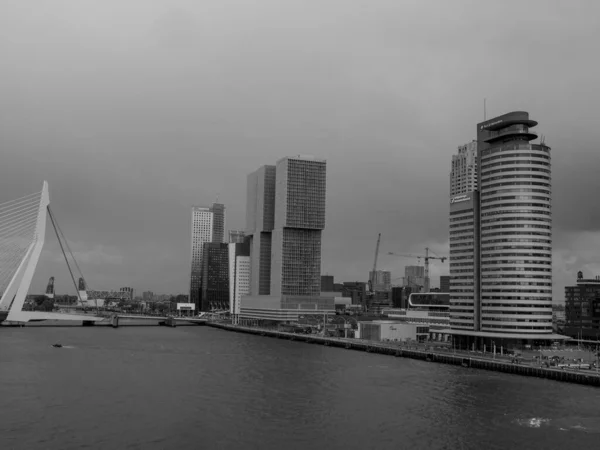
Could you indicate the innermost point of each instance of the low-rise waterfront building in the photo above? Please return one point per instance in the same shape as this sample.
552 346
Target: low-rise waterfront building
582 309
391 330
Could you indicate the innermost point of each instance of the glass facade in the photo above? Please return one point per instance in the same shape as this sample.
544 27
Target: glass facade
215 277
516 230
582 309
208 225
501 234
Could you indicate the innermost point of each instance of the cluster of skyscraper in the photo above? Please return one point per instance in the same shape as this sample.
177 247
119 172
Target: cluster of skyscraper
500 241
276 264
501 235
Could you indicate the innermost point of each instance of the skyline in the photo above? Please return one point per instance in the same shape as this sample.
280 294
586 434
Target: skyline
385 97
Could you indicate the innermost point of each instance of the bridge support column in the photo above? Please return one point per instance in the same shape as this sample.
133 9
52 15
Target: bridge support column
114 321
171 322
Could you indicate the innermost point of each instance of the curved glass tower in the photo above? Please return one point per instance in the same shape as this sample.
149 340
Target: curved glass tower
501 240
516 227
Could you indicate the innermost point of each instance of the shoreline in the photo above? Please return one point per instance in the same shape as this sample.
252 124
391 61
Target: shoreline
569 376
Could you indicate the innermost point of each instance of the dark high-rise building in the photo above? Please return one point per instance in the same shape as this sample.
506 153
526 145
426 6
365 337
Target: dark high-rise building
284 220
215 277
208 225
260 216
327 284
300 187
445 283
398 297
501 240
356 290
582 309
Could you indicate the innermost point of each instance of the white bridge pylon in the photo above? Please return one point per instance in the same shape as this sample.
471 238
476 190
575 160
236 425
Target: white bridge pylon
22 233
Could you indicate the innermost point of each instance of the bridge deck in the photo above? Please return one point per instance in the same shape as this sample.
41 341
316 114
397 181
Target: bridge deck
28 316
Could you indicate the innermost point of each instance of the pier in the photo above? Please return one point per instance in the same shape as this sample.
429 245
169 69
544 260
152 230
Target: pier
580 377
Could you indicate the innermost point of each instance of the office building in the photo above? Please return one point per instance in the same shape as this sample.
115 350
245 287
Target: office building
327 284
260 217
501 241
285 217
414 277
237 237
239 276
148 296
381 279
582 309
127 290
444 283
463 174
299 220
215 277
208 225
398 297
356 290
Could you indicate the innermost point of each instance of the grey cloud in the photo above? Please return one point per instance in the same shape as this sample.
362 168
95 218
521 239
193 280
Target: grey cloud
136 110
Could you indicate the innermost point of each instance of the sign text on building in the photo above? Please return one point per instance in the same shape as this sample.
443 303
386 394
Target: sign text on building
460 198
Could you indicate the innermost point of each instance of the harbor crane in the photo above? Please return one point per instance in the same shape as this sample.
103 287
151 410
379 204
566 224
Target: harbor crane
426 257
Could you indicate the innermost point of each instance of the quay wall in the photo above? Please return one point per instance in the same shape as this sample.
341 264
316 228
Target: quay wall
588 378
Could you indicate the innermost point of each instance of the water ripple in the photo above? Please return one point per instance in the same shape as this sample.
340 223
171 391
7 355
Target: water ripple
191 387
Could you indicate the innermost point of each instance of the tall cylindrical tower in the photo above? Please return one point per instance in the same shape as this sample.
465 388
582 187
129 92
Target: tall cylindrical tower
515 287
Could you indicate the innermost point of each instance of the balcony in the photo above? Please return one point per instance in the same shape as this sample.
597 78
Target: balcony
511 131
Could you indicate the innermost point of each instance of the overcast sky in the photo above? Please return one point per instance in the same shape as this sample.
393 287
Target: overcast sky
134 110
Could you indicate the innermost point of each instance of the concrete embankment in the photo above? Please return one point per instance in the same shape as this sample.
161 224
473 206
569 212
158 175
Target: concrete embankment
581 377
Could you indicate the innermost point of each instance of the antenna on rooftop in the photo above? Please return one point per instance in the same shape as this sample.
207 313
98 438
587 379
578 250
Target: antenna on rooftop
484 110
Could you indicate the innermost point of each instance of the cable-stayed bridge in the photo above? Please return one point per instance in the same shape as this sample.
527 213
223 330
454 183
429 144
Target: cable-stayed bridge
22 233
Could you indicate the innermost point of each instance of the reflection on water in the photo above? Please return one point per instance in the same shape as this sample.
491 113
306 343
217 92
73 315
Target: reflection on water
197 387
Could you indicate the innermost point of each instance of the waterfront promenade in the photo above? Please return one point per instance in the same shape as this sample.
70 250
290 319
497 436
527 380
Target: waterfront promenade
430 354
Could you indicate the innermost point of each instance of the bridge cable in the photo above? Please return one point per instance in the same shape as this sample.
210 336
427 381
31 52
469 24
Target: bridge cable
68 248
74 260
65 255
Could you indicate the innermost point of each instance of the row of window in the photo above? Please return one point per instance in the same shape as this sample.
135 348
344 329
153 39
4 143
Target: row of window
516 247
506 205
512 146
529 276
524 240
519 190
513 169
517 211
514 155
513 176
521 255
516 225
516 197
515 162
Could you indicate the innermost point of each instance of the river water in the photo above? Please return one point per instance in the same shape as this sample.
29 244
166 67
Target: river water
198 387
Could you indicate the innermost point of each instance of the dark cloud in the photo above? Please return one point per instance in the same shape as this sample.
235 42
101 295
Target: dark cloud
134 111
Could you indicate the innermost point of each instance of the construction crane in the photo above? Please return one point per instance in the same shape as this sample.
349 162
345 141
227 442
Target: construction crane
426 257
372 274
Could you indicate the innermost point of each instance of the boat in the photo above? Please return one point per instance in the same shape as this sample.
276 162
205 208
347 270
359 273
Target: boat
57 345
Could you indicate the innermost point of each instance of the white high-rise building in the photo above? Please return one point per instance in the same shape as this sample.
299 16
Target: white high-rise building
208 225
501 241
463 174
239 276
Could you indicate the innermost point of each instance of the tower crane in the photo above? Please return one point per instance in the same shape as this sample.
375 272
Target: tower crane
426 257
373 272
